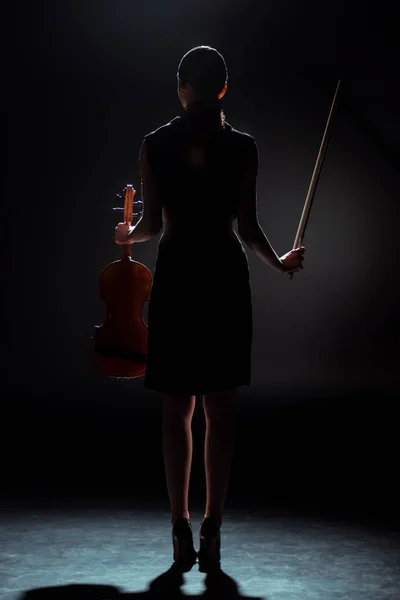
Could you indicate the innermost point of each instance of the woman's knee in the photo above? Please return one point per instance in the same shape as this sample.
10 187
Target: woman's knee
179 405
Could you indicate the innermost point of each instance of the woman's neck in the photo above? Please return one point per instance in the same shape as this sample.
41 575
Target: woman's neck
206 112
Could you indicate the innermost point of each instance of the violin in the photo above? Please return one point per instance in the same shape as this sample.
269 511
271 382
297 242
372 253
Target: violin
120 342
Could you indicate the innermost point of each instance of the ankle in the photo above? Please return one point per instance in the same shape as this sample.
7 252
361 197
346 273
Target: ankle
215 518
184 515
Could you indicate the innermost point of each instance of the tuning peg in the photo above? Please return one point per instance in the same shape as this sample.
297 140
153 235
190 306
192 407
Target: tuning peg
119 197
136 203
121 208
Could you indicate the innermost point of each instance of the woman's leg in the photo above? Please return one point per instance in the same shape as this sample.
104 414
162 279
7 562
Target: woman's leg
177 445
219 411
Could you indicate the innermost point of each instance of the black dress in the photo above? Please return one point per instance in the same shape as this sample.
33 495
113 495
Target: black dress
200 311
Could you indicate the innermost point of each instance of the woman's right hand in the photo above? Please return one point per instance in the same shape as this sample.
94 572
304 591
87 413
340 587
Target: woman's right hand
292 260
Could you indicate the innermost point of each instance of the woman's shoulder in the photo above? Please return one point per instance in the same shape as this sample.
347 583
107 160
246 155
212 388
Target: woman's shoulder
165 129
241 136
173 128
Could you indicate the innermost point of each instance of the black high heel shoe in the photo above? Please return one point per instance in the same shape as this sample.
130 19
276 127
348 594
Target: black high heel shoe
185 556
209 554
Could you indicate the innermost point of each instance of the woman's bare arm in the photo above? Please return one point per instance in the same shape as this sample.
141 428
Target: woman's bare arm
150 222
249 227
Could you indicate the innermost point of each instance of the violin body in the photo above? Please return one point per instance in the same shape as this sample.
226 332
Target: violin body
121 340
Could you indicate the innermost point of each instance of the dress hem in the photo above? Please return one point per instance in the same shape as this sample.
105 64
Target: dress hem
206 390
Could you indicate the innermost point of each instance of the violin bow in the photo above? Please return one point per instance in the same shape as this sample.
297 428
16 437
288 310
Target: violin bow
298 240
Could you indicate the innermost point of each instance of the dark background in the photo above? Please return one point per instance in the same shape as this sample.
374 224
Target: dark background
85 81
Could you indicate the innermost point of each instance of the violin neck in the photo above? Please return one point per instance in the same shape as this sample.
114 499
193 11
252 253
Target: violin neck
126 251
128 216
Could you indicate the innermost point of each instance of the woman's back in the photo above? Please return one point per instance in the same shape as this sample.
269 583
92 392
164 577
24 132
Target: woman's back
200 314
197 162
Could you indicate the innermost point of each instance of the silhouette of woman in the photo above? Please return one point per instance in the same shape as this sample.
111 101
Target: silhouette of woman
198 174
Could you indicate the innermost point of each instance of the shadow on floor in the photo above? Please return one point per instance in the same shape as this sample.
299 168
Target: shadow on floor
219 586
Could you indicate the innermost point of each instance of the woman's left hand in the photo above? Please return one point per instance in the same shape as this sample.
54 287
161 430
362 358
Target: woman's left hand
122 232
